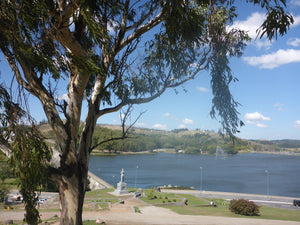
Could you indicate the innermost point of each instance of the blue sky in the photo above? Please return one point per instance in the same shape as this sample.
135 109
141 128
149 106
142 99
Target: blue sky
268 88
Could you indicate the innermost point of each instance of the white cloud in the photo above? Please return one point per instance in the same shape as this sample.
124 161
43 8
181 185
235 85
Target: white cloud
160 126
260 125
250 25
276 59
254 21
181 126
296 21
297 124
63 97
256 116
250 122
295 42
187 121
263 44
295 2
202 89
255 119
167 114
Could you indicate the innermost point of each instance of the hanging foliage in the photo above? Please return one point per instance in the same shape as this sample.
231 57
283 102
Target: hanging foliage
30 157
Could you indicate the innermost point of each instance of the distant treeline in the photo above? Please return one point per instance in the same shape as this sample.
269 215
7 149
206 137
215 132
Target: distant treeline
285 143
196 142
191 142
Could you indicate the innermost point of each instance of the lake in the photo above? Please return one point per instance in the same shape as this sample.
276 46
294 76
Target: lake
243 173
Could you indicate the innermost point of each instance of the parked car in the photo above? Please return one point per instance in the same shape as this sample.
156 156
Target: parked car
137 194
296 202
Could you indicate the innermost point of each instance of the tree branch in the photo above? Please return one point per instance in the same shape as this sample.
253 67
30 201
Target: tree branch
14 67
167 84
121 33
123 120
37 89
142 19
141 30
125 130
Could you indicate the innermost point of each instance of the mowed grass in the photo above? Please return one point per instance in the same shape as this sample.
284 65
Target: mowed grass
197 206
223 210
103 193
99 199
279 214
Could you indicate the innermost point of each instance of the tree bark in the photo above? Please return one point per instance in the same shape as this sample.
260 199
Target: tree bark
71 193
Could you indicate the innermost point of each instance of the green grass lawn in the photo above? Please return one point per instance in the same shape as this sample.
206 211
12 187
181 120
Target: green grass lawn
11 183
100 199
265 212
194 207
279 214
160 198
223 210
99 193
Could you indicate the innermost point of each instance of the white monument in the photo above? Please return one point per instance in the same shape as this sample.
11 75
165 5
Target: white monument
121 187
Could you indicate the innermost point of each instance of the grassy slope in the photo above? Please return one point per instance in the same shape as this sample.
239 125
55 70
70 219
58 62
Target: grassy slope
222 209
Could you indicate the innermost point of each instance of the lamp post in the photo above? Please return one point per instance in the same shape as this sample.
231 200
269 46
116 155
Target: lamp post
268 183
200 178
135 176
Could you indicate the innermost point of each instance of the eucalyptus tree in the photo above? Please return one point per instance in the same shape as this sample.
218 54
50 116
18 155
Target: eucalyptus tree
118 53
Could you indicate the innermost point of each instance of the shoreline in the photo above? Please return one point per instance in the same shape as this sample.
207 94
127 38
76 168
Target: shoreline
172 151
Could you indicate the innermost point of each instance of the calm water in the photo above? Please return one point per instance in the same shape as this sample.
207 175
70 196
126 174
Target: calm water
244 173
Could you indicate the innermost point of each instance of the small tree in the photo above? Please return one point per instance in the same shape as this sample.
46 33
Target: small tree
150 194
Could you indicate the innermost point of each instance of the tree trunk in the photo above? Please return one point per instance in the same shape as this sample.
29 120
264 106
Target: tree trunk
71 193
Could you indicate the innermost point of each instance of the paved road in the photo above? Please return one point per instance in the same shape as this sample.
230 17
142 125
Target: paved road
273 201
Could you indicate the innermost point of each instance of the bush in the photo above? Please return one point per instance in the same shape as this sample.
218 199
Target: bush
151 193
136 209
244 207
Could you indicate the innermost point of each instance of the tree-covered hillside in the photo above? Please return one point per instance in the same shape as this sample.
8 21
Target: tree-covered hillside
142 139
190 141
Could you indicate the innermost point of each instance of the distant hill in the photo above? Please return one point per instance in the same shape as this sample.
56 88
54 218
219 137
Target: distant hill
189 141
285 143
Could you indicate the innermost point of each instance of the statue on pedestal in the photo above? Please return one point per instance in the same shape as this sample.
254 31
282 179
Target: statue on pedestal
121 186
